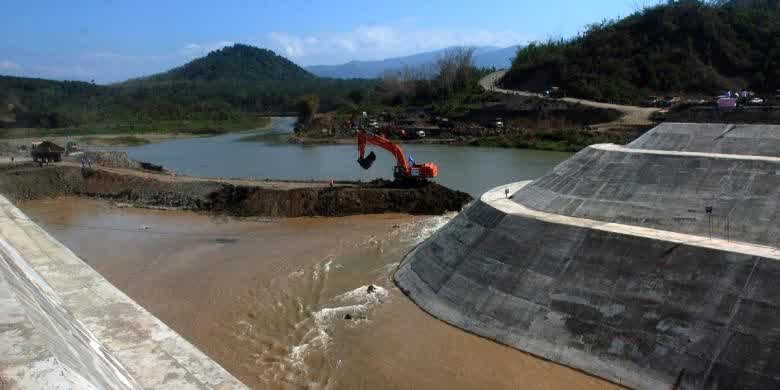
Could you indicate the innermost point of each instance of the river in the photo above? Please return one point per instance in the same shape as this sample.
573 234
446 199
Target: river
285 303
469 169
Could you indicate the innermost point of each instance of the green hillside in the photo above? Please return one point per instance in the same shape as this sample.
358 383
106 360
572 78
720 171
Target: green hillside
232 88
237 62
679 47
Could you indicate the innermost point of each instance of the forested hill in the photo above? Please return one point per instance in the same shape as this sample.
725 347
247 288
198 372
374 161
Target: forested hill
756 4
679 47
238 62
227 88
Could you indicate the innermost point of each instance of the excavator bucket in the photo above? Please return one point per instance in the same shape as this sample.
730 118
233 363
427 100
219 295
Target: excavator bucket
367 161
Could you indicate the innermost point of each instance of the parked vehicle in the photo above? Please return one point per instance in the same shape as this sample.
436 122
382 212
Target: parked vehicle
756 101
495 124
555 93
727 102
46 152
697 101
652 101
445 123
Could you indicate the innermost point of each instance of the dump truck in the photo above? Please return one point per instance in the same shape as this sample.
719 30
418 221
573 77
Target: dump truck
46 152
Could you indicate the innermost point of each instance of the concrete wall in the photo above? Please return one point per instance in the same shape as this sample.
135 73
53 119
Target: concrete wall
756 140
607 264
642 312
63 326
666 191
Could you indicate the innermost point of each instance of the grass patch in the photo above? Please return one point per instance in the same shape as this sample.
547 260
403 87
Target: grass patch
569 140
193 127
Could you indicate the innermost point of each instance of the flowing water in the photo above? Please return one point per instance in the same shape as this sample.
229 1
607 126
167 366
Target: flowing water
469 169
304 303
285 304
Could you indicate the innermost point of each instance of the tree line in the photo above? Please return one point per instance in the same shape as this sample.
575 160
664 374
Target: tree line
690 46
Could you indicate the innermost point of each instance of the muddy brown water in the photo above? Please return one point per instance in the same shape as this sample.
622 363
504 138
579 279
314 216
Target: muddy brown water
284 304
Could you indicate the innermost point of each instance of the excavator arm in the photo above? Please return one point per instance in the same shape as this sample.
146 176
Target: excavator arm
365 137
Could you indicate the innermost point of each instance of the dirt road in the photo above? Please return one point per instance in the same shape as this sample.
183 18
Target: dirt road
173 178
632 115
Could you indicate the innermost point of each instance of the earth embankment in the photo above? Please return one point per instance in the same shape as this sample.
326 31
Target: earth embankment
242 198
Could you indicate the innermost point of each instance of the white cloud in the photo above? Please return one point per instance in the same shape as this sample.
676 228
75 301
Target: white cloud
385 40
204 48
8 65
293 46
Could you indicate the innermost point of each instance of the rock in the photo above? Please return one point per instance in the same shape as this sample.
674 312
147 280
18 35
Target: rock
370 289
348 316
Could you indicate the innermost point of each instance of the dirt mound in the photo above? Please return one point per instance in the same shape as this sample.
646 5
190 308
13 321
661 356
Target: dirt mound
30 182
111 159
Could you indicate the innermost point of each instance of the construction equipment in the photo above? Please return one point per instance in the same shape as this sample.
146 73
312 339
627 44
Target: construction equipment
46 152
404 170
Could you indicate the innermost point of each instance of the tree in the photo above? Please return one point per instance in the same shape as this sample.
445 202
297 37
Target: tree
357 96
455 67
307 108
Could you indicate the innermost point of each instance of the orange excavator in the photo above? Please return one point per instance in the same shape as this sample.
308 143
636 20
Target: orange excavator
404 170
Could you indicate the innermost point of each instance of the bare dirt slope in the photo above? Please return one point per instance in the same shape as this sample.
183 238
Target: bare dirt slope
632 115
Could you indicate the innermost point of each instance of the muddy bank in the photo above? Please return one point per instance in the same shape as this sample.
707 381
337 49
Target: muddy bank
231 197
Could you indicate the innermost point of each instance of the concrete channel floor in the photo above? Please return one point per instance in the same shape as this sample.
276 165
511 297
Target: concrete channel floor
63 326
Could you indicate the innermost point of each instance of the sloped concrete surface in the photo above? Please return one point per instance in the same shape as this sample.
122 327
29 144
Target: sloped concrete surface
666 190
63 326
611 264
743 139
643 308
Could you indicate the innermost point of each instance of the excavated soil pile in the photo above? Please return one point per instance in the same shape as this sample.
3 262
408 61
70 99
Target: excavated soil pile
27 182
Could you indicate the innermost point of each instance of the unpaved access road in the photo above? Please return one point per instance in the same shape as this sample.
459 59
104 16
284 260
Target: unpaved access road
172 178
632 115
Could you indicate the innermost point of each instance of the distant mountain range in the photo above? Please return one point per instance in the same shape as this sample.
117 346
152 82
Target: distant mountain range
484 57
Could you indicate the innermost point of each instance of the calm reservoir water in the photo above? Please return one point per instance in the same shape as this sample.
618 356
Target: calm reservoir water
470 169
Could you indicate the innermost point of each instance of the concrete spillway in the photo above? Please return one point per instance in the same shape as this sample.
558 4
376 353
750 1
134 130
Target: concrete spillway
741 139
63 326
586 266
666 190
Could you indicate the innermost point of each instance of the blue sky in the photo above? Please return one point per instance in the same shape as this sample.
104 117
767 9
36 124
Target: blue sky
112 40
